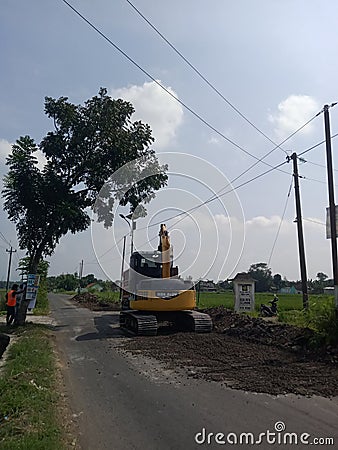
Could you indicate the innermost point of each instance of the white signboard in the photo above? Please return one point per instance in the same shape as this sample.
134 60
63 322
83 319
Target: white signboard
244 296
33 281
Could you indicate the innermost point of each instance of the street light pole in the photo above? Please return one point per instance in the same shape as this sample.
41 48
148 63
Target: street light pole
132 227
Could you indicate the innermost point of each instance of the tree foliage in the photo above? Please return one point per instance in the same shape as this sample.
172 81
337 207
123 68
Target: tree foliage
89 143
262 274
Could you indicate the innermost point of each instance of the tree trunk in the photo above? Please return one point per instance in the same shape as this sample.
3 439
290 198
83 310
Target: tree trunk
22 312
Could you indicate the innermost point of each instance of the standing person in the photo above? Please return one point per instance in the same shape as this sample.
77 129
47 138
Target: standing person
11 303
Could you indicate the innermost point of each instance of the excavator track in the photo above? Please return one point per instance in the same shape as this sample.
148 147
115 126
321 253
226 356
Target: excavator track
195 321
138 323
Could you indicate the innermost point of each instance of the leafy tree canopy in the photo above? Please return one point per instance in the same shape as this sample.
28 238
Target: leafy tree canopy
89 143
262 274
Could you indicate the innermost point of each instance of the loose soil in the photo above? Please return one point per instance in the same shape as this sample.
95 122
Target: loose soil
247 353
94 303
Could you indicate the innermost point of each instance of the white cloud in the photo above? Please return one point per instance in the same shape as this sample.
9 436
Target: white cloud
155 107
260 236
293 112
214 141
5 149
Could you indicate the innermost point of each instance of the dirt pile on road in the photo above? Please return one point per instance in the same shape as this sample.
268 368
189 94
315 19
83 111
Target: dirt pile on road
240 364
260 330
247 353
95 303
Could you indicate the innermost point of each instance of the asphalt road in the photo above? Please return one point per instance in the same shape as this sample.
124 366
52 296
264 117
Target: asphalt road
122 402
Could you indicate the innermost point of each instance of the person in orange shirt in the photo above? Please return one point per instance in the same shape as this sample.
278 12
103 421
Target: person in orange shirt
11 303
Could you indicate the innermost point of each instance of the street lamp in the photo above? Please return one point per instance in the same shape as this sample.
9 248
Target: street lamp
132 227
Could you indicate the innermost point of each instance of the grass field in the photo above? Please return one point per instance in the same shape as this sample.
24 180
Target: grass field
227 299
287 302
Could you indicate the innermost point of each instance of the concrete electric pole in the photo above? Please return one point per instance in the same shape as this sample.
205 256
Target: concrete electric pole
332 206
301 248
10 251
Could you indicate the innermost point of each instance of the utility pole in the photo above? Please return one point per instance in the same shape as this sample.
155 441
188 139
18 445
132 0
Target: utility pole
301 247
12 250
122 267
332 206
80 276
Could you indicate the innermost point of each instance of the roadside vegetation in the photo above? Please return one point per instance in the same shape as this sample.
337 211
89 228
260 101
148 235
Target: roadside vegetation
29 398
321 316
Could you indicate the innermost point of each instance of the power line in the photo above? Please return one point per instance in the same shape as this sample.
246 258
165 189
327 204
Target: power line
316 164
281 221
4 239
194 113
203 77
314 180
186 213
316 145
198 116
218 193
107 251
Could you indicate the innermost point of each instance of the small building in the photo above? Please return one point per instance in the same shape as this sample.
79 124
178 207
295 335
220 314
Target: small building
93 287
207 286
290 290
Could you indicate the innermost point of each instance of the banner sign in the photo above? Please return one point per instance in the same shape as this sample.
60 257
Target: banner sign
33 281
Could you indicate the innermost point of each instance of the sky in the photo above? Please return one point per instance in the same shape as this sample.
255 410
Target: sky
274 62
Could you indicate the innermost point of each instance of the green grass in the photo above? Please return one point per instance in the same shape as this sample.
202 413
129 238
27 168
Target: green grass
227 299
2 301
320 317
42 304
29 399
108 296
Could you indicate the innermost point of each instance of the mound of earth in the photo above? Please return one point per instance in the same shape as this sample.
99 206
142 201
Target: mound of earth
93 302
247 353
260 330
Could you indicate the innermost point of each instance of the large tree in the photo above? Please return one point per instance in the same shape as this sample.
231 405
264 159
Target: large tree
262 274
88 144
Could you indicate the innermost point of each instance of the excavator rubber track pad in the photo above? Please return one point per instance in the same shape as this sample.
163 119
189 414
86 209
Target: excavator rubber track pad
196 321
138 323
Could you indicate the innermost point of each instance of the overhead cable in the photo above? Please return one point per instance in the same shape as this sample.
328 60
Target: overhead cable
194 113
198 72
281 221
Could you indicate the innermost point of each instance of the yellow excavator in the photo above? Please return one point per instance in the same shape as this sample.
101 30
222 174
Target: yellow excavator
154 293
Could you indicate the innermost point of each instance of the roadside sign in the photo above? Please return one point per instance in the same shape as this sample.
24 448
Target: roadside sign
33 281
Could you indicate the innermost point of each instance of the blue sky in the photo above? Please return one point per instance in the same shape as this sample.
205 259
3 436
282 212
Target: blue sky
275 61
